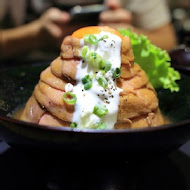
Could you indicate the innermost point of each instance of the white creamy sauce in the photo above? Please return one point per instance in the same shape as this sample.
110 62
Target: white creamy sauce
68 87
109 49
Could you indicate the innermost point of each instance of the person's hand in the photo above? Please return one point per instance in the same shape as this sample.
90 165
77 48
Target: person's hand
53 26
116 17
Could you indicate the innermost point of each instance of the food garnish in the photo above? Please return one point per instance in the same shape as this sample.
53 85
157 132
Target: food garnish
73 125
116 72
102 81
87 81
100 125
100 110
69 98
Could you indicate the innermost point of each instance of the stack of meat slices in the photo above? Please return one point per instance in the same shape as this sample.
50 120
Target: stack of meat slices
138 102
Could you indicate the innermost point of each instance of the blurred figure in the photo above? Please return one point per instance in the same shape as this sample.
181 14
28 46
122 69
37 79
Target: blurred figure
46 31
15 10
151 18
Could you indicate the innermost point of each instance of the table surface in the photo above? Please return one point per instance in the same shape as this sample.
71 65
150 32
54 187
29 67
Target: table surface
38 170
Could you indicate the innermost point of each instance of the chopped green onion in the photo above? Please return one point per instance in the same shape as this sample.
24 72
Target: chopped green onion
103 72
103 37
69 98
92 39
88 85
117 72
84 51
73 125
102 64
102 81
107 66
100 125
87 81
86 38
89 56
92 76
93 59
100 110
97 60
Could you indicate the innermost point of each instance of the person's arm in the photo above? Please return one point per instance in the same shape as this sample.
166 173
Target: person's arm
20 39
163 36
50 27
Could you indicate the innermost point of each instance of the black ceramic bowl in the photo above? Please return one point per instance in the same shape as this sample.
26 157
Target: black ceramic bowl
16 86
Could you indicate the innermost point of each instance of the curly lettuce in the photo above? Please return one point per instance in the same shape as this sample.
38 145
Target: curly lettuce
154 61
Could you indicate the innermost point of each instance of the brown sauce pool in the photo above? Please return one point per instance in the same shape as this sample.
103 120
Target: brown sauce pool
17 113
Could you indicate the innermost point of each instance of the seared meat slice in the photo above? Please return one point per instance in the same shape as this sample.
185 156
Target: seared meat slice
70 48
56 67
32 111
53 81
134 105
69 68
52 100
151 119
49 119
138 80
127 56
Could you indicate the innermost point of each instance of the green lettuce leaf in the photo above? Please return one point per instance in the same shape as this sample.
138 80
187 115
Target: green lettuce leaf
154 61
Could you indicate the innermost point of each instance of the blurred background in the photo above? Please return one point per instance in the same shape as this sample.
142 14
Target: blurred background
22 12
25 11
180 12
